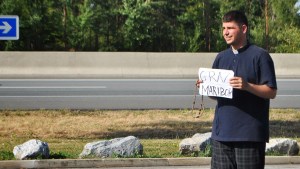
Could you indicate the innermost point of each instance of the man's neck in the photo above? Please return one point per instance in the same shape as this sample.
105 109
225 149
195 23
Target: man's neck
237 47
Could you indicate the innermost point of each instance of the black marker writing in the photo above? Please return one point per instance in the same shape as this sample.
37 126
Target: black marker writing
211 76
216 91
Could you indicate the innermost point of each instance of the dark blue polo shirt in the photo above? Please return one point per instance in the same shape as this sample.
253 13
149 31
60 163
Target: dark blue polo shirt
245 117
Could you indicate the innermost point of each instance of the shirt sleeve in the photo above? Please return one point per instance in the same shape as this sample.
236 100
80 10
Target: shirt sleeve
267 71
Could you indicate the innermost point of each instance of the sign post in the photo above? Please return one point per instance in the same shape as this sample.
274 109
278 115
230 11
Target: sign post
9 27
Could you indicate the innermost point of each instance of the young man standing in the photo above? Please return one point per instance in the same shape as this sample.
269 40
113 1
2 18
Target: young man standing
241 124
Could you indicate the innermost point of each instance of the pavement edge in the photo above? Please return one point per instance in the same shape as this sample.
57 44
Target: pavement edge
129 162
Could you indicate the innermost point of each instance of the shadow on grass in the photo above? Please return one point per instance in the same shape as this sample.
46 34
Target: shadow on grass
8 155
180 130
164 130
58 155
288 129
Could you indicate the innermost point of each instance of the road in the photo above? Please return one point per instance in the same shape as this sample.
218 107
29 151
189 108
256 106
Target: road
119 94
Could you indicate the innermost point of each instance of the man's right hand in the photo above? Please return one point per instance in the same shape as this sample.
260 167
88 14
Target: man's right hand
198 82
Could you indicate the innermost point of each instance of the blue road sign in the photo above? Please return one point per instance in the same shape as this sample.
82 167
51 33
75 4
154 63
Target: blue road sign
9 27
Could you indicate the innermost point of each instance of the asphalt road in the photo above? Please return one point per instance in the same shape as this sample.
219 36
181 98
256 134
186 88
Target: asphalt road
119 94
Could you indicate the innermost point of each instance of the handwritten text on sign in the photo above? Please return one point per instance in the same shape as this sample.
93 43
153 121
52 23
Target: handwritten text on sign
215 82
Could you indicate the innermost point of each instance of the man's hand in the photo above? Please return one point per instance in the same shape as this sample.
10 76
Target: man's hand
238 83
198 82
263 91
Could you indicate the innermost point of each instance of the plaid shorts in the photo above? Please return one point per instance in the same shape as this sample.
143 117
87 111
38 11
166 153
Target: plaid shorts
238 155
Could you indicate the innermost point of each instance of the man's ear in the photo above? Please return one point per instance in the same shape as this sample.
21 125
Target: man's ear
244 28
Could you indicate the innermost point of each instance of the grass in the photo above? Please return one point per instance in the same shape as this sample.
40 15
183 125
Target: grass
160 131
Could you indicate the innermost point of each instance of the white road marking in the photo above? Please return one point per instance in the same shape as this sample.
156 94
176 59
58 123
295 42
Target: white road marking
53 87
112 96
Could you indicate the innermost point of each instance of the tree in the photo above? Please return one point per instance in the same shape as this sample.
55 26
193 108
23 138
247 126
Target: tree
193 27
106 25
39 24
147 27
284 28
78 22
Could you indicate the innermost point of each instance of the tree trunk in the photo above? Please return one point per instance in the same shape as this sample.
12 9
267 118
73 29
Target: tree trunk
266 26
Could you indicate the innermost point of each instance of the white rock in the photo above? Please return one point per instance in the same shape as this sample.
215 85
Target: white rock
123 147
197 143
283 146
31 149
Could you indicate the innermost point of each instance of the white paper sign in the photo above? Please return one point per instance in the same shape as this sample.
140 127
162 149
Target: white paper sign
215 82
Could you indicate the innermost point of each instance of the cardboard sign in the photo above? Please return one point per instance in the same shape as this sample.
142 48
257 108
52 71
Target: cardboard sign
215 82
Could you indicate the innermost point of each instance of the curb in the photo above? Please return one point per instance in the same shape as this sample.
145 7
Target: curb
129 162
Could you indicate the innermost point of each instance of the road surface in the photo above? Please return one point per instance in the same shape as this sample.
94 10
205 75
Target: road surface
119 94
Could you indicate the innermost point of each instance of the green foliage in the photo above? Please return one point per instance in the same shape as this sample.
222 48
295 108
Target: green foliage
147 25
274 153
78 25
207 152
6 155
288 39
284 35
193 26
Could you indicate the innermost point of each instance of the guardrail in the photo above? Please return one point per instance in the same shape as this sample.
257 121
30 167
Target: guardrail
120 64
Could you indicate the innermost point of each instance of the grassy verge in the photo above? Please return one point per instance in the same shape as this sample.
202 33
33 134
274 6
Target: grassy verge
160 131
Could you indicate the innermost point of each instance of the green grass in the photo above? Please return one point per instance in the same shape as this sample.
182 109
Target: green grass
160 131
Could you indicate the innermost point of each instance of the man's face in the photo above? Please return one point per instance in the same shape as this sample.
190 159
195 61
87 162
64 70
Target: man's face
234 34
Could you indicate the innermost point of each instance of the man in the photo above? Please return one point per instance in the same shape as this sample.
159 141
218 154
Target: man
241 124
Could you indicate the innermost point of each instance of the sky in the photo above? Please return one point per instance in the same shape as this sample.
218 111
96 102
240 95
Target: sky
298 5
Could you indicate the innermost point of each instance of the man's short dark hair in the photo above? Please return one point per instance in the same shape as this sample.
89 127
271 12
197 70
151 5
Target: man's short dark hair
237 16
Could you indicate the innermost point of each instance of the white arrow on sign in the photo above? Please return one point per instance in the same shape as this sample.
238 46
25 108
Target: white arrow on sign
6 27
